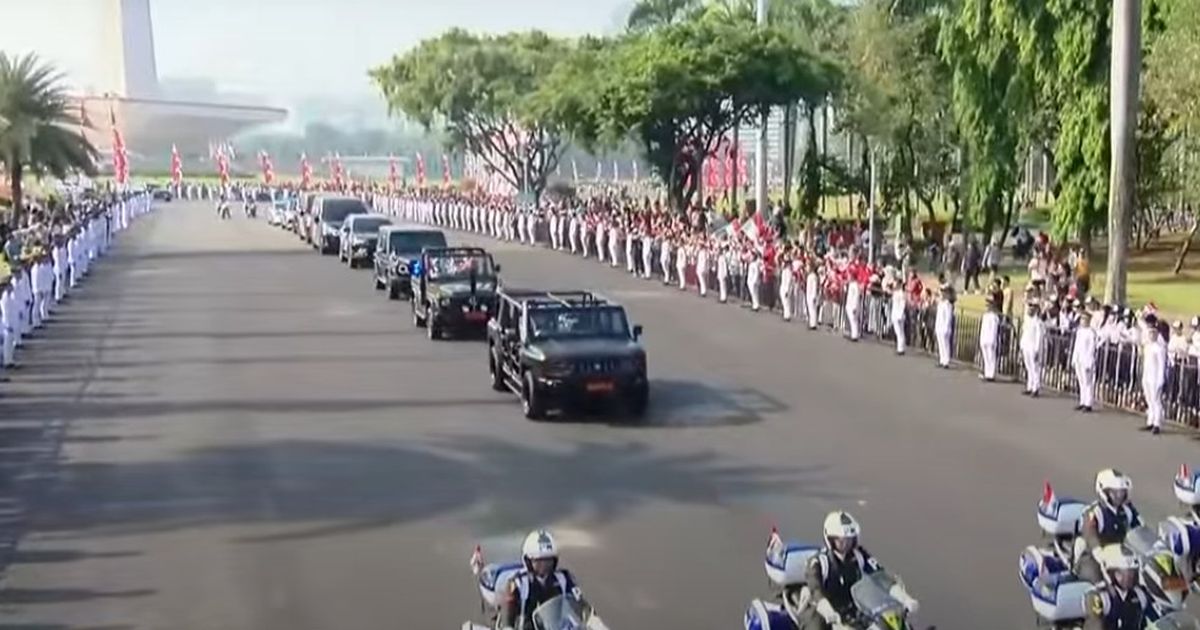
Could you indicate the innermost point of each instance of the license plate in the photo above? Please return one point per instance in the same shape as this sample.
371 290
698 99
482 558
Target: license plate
1173 583
596 387
476 316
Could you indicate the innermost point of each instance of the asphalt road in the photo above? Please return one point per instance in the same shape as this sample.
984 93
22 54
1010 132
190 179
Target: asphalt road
225 430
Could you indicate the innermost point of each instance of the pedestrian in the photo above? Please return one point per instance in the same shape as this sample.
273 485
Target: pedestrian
1083 359
1033 331
989 337
1154 373
812 289
723 272
853 298
943 325
702 266
754 271
787 286
664 258
683 255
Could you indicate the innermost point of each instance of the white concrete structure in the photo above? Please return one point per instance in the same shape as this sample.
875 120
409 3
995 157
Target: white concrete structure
149 122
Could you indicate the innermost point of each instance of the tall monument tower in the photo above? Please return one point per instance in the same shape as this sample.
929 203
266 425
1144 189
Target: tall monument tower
129 45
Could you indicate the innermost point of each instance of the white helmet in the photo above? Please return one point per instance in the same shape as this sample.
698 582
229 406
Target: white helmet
841 526
539 545
1111 480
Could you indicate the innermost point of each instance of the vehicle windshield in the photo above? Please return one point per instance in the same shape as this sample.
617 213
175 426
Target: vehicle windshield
339 209
560 613
416 241
459 266
369 225
557 323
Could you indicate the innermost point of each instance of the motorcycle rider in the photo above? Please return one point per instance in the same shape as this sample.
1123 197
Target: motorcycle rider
1106 521
540 581
833 571
1120 603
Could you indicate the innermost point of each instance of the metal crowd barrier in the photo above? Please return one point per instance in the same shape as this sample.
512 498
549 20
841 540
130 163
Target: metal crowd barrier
1118 366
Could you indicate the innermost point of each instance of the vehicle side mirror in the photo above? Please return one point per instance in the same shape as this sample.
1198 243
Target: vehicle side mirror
498 268
637 331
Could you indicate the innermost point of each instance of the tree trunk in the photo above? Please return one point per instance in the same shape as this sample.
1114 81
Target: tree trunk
1126 64
1010 213
1186 246
16 171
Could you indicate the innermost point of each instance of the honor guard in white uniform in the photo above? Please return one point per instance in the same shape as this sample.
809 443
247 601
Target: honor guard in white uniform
8 324
702 266
812 292
754 273
1083 359
853 302
601 231
555 243
1154 376
614 243
647 254
989 338
573 232
664 258
1033 331
723 255
683 255
787 286
899 311
631 236
943 326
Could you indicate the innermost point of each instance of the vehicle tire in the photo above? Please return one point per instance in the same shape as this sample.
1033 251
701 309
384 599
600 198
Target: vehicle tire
639 402
432 329
393 291
418 321
351 262
496 372
531 399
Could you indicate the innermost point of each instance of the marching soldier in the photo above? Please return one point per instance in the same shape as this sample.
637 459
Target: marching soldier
683 256
1154 375
9 323
1033 330
853 298
787 285
754 272
899 308
614 241
601 231
723 255
812 292
647 252
664 257
702 266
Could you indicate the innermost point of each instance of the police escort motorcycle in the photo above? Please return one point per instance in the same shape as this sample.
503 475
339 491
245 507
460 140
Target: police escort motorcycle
1058 595
880 599
563 612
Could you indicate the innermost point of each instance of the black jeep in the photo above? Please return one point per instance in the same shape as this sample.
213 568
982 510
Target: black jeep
399 249
559 349
454 290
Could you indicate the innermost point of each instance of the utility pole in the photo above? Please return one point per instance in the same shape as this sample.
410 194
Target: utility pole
1125 68
760 151
871 210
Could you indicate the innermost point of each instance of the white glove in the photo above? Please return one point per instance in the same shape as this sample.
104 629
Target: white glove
897 591
831 616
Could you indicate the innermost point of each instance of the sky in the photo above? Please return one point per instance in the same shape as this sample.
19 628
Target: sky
285 49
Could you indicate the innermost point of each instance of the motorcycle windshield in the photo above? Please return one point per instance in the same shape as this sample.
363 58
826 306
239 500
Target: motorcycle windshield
559 613
872 598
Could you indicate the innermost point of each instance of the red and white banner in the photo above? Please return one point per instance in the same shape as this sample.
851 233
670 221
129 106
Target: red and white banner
305 172
268 169
120 159
176 166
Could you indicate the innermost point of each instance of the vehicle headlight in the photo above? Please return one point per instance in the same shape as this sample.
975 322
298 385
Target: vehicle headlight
402 268
328 230
444 302
558 369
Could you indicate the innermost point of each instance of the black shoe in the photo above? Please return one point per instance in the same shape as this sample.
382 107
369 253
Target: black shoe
1086 409
1027 393
1078 407
1145 427
1155 431
1034 395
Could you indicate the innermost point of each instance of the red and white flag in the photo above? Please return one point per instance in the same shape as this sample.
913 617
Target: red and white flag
420 170
120 159
305 172
268 169
445 171
222 166
176 166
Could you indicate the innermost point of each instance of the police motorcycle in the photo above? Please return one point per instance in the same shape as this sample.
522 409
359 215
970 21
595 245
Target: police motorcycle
1058 596
1181 534
223 208
249 205
564 612
881 600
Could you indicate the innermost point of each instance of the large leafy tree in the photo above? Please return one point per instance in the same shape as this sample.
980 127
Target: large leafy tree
651 14
39 133
482 92
678 89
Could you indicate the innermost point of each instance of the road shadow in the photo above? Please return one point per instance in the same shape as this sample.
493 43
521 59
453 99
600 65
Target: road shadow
59 626
49 556
24 596
215 336
313 489
222 254
677 404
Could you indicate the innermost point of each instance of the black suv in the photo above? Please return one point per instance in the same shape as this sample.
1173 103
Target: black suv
454 290
399 248
556 349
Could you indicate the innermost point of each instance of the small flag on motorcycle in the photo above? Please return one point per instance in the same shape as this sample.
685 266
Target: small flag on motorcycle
1048 497
477 560
774 541
1184 472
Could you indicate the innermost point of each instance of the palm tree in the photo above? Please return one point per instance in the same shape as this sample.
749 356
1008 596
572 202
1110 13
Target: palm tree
648 15
38 132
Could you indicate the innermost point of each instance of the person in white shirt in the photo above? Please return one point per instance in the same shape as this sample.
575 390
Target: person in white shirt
683 256
812 291
1154 376
614 244
1177 347
898 313
664 259
9 323
647 255
754 272
1083 359
787 287
1194 347
601 241
723 272
853 299
702 267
